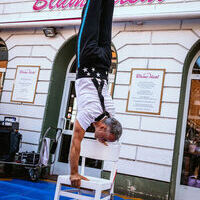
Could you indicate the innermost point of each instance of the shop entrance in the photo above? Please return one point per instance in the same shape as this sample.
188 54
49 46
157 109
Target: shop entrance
66 121
188 179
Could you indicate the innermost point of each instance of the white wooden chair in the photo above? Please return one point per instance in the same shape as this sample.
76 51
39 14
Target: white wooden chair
95 150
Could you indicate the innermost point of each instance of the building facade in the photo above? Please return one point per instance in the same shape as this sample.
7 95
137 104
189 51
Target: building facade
159 154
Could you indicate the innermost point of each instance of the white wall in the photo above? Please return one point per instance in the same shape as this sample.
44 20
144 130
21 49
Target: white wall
30 47
147 140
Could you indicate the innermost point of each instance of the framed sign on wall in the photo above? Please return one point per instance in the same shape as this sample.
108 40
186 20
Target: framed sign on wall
25 84
146 90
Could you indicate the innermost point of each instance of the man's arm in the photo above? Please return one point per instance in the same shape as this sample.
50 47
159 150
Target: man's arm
78 135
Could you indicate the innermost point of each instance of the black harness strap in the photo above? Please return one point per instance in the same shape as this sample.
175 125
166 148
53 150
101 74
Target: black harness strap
99 88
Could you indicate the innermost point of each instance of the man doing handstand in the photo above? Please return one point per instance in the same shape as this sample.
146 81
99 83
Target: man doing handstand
95 105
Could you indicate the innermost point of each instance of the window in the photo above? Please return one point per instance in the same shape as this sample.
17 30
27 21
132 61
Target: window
3 63
196 68
190 175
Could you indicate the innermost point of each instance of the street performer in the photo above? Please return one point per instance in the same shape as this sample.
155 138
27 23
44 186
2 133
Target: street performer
95 105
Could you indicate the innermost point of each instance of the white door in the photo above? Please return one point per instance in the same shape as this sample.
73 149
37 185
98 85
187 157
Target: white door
188 176
66 121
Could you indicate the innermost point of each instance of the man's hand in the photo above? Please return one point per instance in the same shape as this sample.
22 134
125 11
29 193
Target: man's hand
76 180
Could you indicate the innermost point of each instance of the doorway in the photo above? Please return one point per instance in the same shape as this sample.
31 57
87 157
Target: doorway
68 110
188 176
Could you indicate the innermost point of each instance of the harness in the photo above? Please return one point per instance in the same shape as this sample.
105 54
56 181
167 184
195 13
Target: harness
99 87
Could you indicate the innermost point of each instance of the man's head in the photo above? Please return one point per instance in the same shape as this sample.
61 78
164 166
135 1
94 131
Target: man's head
108 129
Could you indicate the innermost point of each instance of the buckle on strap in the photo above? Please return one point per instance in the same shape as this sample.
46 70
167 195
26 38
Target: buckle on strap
101 116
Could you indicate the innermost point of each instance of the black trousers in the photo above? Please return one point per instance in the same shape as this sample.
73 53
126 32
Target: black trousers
94 39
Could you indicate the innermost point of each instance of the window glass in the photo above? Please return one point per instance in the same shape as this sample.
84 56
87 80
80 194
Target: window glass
3 63
196 68
190 175
1 82
3 51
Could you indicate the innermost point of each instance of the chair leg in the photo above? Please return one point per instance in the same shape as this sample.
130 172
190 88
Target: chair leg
57 192
79 192
97 195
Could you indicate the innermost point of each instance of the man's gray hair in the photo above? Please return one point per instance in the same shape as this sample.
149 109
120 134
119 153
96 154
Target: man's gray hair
115 127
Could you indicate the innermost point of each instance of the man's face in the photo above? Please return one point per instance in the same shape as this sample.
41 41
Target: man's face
102 133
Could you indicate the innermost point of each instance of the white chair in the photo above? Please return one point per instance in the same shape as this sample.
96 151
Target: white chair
95 150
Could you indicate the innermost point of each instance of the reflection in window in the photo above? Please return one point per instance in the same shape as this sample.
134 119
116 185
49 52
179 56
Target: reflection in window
73 67
113 67
3 63
191 159
2 74
71 107
196 68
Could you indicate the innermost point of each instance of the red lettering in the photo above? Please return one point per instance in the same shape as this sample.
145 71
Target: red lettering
61 3
51 6
82 3
123 2
40 7
149 1
147 75
42 4
141 76
70 4
153 76
133 1
78 2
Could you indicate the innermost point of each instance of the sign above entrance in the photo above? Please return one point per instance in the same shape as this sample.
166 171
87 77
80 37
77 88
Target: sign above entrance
62 4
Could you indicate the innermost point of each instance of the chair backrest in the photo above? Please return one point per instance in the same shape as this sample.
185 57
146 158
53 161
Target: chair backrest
91 148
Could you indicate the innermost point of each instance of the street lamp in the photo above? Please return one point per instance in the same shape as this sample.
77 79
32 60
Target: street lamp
50 31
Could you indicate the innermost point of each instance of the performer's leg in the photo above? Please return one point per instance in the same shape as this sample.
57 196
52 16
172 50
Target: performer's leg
87 45
105 31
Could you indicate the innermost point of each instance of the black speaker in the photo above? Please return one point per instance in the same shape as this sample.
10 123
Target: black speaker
4 141
9 140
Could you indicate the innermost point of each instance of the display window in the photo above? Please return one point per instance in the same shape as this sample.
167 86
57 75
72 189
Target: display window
3 63
1 81
190 175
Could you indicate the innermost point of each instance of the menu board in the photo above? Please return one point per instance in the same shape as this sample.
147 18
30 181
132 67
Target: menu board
145 92
25 84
